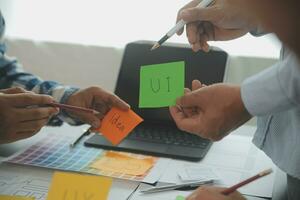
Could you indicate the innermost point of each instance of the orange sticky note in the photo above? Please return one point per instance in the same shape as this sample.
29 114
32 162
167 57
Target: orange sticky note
79 186
117 124
124 163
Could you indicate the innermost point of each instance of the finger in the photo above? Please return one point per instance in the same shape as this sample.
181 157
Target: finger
14 90
205 47
189 5
196 84
209 30
88 118
197 45
176 113
25 134
33 125
15 137
116 101
192 196
203 42
29 114
101 107
187 111
189 124
192 99
208 35
29 99
19 135
192 33
198 14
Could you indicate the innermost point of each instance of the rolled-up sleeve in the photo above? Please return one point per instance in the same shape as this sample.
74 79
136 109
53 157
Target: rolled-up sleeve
273 90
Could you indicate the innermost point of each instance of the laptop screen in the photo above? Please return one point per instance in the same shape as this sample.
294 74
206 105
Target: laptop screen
209 68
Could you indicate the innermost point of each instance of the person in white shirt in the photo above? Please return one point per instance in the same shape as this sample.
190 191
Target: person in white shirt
273 95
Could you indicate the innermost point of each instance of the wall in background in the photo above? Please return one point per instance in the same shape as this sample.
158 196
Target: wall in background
111 23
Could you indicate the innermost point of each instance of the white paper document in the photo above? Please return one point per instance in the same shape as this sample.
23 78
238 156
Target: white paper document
197 173
232 160
167 195
34 182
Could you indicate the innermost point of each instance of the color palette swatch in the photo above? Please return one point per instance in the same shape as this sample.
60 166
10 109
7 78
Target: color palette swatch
54 152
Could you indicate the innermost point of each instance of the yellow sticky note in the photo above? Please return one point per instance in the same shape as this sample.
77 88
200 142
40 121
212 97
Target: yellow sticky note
78 186
124 163
7 197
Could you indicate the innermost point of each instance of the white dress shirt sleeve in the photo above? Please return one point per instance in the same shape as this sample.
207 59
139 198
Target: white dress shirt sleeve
273 90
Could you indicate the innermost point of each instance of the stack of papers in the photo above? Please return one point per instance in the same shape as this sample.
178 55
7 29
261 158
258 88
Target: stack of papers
230 160
35 182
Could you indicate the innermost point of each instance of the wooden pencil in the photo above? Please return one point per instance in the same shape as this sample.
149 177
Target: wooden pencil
75 108
249 180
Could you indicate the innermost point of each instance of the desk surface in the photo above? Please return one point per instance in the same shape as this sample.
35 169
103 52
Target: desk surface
279 190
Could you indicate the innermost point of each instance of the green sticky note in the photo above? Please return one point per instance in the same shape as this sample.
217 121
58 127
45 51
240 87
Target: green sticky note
180 197
161 84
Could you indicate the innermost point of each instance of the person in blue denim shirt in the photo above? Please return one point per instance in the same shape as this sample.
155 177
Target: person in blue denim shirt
23 97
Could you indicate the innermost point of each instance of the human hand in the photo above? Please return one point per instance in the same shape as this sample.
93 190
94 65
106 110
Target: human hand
14 90
190 111
20 117
213 193
97 99
216 110
223 20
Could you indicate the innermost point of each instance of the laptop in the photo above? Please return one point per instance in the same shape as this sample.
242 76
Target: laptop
158 134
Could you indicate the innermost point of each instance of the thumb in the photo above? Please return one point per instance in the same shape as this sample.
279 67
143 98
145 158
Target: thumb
191 99
198 14
29 99
87 118
196 84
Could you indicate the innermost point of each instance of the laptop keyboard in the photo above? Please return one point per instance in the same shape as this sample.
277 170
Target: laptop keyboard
170 136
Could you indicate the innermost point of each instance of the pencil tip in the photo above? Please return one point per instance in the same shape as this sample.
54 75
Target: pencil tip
155 46
266 172
95 112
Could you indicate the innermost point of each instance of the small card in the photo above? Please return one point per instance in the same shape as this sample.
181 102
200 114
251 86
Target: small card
79 187
179 197
124 163
197 173
7 197
161 84
117 124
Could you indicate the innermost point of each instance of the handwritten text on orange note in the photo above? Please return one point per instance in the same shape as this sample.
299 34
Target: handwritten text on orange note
117 124
124 163
73 186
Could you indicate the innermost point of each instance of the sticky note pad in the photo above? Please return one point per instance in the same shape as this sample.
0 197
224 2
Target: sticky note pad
78 186
7 197
117 124
180 197
161 84
124 163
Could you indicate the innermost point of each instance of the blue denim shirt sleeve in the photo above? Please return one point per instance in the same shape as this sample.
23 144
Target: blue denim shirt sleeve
12 74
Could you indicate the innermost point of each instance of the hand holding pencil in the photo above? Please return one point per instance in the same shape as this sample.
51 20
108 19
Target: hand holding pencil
94 103
216 193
